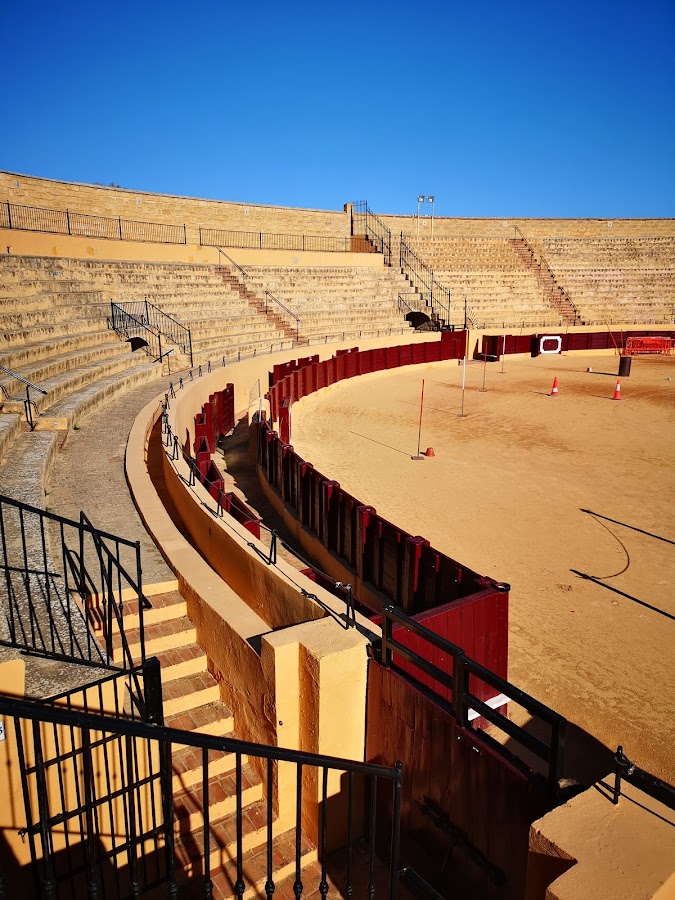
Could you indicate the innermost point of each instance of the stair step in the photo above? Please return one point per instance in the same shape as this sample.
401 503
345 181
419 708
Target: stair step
178 662
186 763
223 848
170 605
160 636
188 803
211 718
189 692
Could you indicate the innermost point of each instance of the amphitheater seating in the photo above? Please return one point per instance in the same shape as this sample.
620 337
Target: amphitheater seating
498 288
334 301
620 280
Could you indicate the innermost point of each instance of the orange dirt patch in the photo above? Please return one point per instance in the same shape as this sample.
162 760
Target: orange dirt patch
506 494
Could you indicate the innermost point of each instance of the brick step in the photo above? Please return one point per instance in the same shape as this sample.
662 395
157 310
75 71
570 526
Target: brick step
189 692
188 804
223 849
165 605
211 718
162 635
186 764
188 659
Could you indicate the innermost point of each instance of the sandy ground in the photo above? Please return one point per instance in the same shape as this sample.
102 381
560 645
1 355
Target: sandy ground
507 494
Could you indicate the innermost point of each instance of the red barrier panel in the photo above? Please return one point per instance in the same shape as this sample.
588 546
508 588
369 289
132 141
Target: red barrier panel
281 370
305 361
321 381
418 353
331 376
379 359
340 367
347 351
365 362
405 355
285 421
392 356
432 351
352 364
239 511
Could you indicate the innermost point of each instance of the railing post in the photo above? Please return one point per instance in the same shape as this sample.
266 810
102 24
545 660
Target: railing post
152 688
459 677
68 220
9 215
119 222
49 881
387 629
394 871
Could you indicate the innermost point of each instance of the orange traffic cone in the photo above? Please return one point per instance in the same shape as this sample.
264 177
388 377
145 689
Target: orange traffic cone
617 391
554 389
430 452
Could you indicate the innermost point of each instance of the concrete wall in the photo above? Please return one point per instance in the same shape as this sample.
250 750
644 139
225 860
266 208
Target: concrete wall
28 190
531 228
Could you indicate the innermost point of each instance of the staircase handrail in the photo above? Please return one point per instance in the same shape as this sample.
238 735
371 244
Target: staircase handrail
29 384
425 274
543 262
373 226
285 309
231 262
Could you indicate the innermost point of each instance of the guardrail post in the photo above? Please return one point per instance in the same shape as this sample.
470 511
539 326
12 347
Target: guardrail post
459 679
119 222
152 688
557 753
9 215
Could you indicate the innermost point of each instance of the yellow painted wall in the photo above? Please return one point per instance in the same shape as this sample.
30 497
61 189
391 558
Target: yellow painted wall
34 243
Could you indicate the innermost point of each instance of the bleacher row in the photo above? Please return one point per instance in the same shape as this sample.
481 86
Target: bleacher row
620 280
54 310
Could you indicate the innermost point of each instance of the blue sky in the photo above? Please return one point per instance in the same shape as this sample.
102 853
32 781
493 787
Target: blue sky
498 109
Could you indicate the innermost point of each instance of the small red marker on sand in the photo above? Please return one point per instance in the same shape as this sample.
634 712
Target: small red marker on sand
617 391
554 389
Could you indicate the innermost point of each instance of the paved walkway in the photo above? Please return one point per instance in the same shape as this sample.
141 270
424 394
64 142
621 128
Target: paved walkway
88 474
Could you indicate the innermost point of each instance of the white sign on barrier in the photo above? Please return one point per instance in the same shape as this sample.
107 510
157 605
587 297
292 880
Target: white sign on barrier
3 735
547 339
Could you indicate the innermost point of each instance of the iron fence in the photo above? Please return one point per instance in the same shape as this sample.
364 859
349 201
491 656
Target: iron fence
62 580
107 814
424 281
65 221
365 222
263 240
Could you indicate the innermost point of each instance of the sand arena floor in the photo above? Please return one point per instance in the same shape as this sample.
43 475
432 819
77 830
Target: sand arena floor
506 494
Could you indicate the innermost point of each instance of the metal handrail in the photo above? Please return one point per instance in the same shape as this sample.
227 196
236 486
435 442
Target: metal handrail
28 404
374 228
462 698
242 271
543 263
286 310
425 275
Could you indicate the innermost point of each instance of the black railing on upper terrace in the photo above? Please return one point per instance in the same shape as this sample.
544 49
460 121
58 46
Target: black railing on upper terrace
29 406
365 222
62 578
262 240
64 221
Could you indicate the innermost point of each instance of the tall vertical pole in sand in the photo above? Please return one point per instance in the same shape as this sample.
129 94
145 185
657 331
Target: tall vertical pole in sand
503 351
463 380
419 433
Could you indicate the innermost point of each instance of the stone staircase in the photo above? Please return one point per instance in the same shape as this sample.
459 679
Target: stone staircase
284 324
553 293
191 702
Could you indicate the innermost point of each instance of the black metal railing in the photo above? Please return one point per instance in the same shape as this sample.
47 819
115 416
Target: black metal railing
263 240
538 259
144 320
29 406
422 278
64 581
464 705
173 450
65 221
366 223
649 784
285 311
107 815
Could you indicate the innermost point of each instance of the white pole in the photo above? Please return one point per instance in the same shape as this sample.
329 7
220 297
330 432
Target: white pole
463 378
503 352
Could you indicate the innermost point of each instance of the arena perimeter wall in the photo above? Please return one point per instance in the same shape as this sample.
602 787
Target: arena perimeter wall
352 543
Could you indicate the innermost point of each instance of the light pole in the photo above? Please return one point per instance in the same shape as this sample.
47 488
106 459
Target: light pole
420 200
432 200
